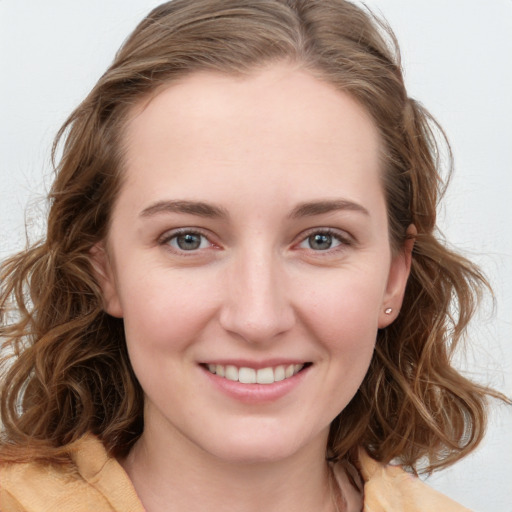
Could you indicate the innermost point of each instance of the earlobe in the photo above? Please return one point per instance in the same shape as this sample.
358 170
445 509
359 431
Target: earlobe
105 277
397 280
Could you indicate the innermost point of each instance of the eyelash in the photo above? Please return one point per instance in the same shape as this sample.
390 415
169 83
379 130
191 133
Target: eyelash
343 239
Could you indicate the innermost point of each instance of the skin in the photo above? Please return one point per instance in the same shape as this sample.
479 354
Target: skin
256 291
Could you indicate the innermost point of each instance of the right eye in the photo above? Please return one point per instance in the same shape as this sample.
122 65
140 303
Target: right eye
187 241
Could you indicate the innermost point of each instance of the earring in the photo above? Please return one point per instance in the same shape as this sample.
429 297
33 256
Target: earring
388 311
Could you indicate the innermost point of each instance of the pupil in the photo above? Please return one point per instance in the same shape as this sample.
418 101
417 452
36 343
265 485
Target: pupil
320 241
189 242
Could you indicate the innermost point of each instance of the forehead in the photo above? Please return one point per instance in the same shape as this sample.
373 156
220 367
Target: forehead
276 125
276 98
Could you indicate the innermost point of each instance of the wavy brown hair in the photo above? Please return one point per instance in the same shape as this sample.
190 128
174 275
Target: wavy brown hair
66 370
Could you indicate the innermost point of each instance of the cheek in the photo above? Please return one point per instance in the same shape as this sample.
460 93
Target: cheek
165 310
344 315
348 301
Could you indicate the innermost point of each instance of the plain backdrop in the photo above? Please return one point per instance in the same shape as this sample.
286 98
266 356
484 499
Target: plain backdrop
457 56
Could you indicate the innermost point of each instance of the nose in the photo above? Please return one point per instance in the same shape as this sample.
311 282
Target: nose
256 304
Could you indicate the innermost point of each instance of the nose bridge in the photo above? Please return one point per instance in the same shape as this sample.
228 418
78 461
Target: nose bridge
257 305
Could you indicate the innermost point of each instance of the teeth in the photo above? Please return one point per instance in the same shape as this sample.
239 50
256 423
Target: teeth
247 375
265 376
279 373
231 372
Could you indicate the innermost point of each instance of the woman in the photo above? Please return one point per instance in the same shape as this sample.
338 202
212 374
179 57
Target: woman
240 295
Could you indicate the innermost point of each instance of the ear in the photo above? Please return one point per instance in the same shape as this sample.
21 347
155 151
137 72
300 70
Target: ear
104 274
397 280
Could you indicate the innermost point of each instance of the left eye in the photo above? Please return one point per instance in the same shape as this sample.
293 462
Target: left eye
320 241
188 241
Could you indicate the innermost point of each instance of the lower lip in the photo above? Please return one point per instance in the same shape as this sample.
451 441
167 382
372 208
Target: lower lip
256 393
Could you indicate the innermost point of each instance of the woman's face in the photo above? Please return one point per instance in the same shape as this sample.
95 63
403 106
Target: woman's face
250 243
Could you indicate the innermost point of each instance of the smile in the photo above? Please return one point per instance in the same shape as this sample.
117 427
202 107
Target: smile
246 375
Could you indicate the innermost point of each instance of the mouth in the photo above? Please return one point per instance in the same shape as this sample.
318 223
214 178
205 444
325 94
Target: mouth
247 375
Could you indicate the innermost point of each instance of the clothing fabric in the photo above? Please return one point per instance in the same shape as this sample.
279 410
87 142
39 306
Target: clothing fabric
97 483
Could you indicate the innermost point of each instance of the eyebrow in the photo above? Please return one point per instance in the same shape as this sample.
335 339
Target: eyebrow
327 206
191 207
202 209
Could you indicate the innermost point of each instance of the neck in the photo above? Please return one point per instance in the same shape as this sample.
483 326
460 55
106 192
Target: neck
171 475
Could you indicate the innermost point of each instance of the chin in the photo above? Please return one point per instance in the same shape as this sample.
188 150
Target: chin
252 453
259 445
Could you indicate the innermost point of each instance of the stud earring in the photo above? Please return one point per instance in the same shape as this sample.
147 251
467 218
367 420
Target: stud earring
388 311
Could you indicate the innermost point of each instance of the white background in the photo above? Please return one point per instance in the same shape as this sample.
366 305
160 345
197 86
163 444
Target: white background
457 55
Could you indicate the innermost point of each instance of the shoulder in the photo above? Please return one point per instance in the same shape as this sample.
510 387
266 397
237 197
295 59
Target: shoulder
390 489
93 481
32 486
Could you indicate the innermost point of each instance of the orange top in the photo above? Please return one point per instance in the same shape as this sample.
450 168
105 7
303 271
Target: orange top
97 483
